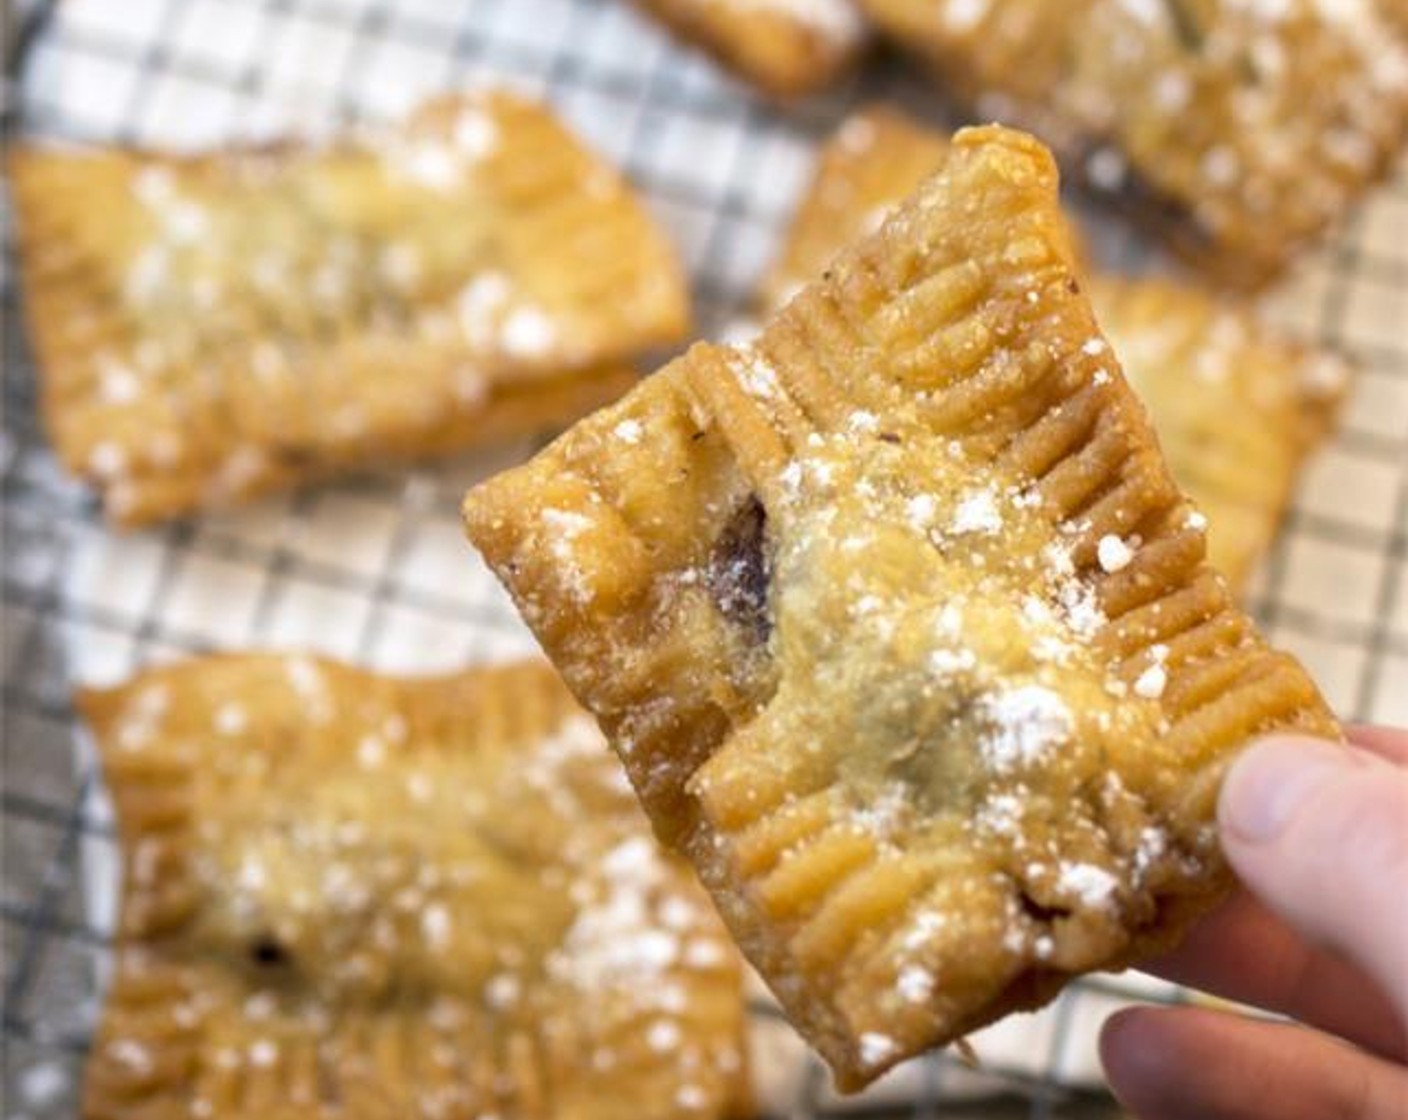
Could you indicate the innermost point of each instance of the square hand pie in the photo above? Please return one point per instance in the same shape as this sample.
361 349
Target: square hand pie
1237 407
1237 130
902 627
786 48
357 896
210 327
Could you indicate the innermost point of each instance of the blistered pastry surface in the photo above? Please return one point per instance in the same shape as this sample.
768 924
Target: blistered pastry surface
208 327
902 628
371 897
1237 406
785 47
1239 130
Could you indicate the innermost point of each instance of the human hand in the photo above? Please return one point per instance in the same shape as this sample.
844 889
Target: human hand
1318 834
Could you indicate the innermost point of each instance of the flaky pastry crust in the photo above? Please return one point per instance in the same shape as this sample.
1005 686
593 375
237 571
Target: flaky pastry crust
787 48
1237 406
1239 131
902 627
213 327
348 895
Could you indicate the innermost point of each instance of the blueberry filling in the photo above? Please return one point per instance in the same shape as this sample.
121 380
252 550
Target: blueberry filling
738 573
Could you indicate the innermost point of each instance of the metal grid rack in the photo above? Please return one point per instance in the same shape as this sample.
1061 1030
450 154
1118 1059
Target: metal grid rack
373 569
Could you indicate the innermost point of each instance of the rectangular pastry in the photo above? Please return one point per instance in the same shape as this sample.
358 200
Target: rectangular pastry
786 48
902 627
1238 408
357 896
1237 130
210 327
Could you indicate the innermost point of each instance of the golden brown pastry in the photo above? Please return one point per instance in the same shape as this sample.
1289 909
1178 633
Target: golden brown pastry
1238 408
902 627
1237 130
876 157
212 327
348 895
784 47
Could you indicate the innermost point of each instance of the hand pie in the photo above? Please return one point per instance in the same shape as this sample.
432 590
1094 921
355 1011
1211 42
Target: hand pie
356 896
902 627
1237 407
786 48
1237 130
212 327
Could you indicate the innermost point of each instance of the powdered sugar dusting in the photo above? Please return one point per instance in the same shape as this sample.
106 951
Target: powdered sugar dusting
417 876
1024 725
756 375
1093 886
529 332
1113 554
476 134
628 431
1151 682
915 984
961 16
1154 679
876 1048
430 164
563 528
978 513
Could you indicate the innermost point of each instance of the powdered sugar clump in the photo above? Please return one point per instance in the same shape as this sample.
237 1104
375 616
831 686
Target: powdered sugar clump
1001 814
1094 886
628 431
876 1048
1153 680
563 528
757 377
1113 553
231 718
478 305
528 332
432 166
1025 725
977 513
476 134
1153 843
964 15
615 938
915 983
921 510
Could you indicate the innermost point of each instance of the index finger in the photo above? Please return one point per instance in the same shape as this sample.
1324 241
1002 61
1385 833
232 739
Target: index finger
1389 743
1243 952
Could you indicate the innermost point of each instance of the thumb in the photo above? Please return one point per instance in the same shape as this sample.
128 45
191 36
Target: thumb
1319 833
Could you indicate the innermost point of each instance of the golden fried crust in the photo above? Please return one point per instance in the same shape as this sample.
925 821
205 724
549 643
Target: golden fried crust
877 157
1239 131
786 48
348 895
1237 407
902 628
212 327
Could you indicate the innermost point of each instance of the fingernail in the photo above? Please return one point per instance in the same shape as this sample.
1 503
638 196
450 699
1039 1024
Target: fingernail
1269 784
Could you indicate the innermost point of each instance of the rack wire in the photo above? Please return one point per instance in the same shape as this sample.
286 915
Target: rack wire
373 568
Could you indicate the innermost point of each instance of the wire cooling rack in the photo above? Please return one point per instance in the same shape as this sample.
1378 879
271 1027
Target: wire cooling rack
374 569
